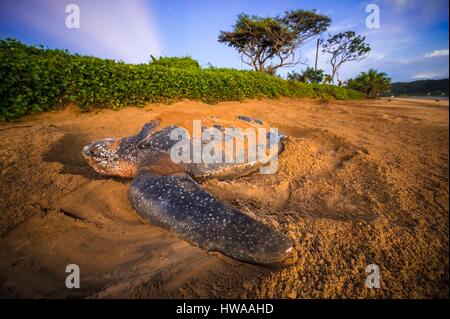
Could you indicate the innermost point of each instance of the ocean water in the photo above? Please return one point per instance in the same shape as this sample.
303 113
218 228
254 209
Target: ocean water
425 97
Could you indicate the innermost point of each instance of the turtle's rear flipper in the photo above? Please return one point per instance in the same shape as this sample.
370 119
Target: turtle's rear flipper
177 203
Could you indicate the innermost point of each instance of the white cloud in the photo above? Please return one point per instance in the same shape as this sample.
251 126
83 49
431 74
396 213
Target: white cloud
437 53
428 75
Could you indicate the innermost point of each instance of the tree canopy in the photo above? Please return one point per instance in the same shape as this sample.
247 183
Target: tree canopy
344 47
267 44
371 83
309 75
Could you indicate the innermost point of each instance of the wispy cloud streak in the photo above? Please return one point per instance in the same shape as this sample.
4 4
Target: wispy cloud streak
118 29
437 53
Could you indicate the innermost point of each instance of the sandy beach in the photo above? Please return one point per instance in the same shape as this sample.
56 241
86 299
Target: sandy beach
361 182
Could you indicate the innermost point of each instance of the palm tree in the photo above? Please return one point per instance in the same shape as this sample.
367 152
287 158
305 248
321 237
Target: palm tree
371 83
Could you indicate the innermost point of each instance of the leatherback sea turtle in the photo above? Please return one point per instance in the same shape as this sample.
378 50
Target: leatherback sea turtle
165 192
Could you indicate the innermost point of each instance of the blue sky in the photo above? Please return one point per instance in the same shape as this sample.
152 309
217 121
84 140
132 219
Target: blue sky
411 43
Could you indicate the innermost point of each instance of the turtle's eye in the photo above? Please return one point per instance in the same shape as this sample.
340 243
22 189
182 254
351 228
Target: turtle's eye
103 164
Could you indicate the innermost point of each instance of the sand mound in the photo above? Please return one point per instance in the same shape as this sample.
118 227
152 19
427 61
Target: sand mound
353 188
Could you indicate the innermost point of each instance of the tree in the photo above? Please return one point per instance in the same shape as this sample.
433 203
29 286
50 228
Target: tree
309 75
327 79
344 47
371 83
267 44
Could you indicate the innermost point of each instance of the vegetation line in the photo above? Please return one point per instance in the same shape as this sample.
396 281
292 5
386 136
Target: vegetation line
34 79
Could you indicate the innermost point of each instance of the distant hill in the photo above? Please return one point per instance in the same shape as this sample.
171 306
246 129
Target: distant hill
421 87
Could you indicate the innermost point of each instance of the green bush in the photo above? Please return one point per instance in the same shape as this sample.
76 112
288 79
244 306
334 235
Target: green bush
33 79
176 62
338 92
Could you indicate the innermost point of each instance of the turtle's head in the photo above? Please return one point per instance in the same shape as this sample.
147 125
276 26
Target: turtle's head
109 157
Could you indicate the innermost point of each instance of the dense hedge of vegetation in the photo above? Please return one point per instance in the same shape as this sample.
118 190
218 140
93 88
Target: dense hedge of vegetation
176 62
34 79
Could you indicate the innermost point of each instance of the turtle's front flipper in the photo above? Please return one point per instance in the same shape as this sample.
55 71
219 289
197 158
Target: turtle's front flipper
177 203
